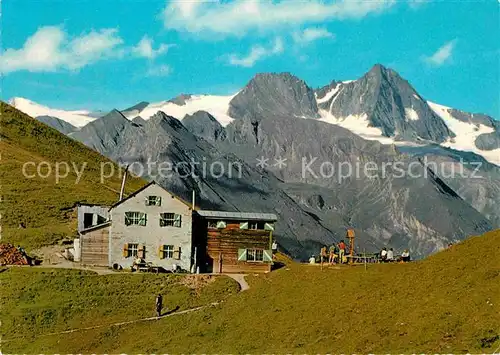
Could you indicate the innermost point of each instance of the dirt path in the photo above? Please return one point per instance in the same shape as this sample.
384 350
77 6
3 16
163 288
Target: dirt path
239 278
121 323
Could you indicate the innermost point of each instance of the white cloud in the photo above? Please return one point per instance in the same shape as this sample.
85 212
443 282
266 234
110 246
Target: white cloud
311 34
145 48
240 16
442 55
159 70
257 53
50 48
416 4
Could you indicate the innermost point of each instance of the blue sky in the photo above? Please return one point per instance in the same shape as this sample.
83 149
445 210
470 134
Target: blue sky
106 54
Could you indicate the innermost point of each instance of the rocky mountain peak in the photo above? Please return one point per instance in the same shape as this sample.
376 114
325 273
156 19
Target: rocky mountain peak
114 114
203 124
161 119
271 94
137 107
379 69
181 99
388 102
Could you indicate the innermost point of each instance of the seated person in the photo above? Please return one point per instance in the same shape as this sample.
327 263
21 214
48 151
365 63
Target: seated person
312 260
383 255
390 255
138 262
332 251
405 256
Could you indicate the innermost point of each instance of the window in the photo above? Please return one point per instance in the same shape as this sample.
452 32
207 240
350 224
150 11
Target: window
135 218
217 224
168 252
170 219
132 250
153 201
255 255
256 225
88 220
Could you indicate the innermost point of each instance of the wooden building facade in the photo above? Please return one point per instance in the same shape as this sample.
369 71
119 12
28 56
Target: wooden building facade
94 245
233 242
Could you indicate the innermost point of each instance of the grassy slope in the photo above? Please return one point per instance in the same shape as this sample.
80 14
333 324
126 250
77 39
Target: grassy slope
441 304
42 204
39 301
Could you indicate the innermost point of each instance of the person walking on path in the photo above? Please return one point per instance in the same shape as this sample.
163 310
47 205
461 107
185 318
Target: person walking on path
323 255
158 304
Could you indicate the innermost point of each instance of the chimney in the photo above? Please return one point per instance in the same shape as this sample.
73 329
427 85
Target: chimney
123 183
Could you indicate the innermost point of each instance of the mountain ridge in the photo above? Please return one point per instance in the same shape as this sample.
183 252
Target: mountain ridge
381 105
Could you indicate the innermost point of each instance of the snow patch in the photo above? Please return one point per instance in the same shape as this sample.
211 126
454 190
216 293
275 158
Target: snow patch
217 106
347 81
358 124
131 114
329 94
466 134
411 114
415 96
77 118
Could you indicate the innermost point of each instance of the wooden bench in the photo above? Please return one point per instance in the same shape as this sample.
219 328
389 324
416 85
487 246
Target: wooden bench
149 267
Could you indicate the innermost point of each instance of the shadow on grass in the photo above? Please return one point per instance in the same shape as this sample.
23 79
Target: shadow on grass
278 265
169 312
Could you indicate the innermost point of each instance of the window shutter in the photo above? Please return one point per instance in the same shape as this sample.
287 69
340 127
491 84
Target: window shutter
125 250
177 253
221 224
269 226
146 200
267 255
158 200
242 254
160 252
127 219
244 225
142 221
177 220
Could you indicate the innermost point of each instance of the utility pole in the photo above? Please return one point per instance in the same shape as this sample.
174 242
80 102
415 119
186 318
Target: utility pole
123 183
350 236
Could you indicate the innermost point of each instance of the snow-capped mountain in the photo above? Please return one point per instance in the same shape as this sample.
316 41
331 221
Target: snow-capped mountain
469 132
78 118
184 105
383 100
379 106
280 116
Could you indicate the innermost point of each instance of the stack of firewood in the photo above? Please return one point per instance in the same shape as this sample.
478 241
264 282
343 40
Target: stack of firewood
10 255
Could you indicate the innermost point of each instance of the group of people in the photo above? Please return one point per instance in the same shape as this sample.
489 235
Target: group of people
334 254
387 256
337 254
